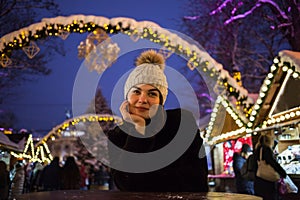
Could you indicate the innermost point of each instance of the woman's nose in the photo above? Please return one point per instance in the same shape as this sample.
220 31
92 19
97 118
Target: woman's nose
143 98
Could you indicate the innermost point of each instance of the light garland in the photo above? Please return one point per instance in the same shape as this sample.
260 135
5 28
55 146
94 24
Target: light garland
287 65
241 123
289 115
35 154
61 26
228 135
288 62
59 129
213 116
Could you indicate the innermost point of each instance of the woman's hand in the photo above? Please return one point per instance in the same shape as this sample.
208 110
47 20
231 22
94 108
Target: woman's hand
137 121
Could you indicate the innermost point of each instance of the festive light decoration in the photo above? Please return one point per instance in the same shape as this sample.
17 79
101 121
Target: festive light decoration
31 50
59 129
59 26
238 77
63 34
236 116
165 52
98 50
41 153
34 154
5 60
285 62
281 117
196 58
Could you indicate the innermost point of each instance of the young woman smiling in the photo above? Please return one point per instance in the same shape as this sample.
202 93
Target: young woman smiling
149 129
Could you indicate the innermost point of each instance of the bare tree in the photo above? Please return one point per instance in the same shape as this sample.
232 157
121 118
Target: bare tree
7 119
245 35
16 14
284 15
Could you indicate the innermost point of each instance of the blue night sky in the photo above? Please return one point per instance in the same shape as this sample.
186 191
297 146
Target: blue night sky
41 104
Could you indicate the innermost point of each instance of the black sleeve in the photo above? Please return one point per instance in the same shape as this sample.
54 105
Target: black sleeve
194 169
268 156
237 164
197 170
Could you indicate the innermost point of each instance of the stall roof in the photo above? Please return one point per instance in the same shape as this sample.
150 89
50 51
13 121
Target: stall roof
277 102
290 97
282 99
7 143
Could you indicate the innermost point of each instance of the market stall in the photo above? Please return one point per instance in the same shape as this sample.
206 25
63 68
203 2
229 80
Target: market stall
276 111
280 110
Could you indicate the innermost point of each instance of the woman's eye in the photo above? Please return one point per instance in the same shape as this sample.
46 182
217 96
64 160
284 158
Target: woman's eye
136 92
153 94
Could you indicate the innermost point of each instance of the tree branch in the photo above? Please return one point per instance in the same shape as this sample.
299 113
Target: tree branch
240 16
273 4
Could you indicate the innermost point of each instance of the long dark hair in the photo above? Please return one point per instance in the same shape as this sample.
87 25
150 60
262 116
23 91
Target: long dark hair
71 174
265 140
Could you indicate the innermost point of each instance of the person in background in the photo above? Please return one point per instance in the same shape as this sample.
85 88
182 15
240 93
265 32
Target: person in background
18 179
149 127
71 178
4 181
84 177
35 184
263 188
243 186
111 184
50 178
28 167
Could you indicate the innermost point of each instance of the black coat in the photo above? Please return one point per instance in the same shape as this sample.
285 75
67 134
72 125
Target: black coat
242 185
266 189
188 171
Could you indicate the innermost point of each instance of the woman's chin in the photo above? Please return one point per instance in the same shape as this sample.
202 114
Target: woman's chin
144 115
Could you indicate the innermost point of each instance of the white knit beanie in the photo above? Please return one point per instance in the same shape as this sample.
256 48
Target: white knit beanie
149 69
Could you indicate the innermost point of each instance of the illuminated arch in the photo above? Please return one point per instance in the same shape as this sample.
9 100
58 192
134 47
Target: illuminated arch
62 26
57 130
42 152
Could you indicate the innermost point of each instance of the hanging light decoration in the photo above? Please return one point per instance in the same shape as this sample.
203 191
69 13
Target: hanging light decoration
98 50
31 50
5 60
63 34
165 52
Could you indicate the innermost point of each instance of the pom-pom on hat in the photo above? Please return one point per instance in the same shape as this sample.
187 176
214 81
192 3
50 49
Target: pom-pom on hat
149 69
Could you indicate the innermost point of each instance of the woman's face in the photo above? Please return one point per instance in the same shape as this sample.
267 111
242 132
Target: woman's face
143 100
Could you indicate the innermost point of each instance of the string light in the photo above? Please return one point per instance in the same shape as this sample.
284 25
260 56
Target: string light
57 29
194 60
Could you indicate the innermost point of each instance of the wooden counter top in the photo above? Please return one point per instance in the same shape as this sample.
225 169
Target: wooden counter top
116 195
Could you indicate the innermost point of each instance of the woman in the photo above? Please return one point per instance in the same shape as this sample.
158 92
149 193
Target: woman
70 175
148 128
17 183
266 189
243 186
35 177
50 177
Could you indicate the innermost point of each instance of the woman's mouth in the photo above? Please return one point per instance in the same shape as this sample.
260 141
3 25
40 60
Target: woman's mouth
142 108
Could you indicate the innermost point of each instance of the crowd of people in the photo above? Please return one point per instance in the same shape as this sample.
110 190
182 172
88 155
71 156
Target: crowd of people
20 177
